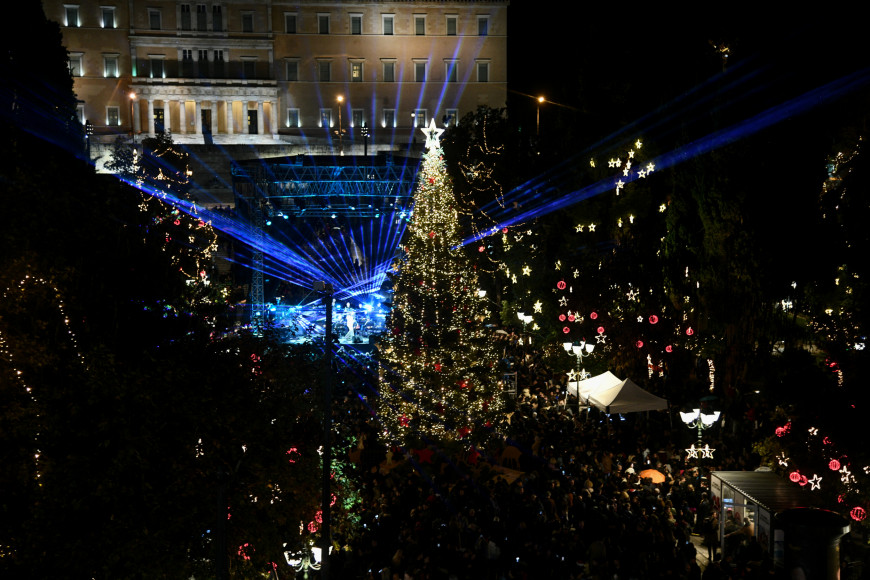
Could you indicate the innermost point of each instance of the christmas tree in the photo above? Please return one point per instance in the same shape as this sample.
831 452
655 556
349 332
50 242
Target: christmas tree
439 379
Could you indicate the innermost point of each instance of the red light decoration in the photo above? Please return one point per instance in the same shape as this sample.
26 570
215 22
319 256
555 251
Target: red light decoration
480 249
561 285
318 517
566 330
177 222
431 234
780 431
312 527
858 513
803 481
653 319
593 316
562 318
504 230
600 330
794 476
689 331
840 498
404 421
293 452
570 318
243 551
639 344
669 348
834 465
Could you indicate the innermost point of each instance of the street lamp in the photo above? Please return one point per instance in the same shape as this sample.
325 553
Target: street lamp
132 96
340 99
578 350
365 134
538 125
701 421
526 319
310 558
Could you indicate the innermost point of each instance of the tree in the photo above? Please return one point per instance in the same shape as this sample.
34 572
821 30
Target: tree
439 378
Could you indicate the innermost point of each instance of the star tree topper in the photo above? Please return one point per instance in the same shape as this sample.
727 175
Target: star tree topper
433 135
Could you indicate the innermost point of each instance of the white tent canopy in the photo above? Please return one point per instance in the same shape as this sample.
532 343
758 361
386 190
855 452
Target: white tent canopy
611 394
626 397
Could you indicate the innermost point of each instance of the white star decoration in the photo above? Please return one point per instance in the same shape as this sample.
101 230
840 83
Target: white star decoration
638 144
619 184
601 338
631 154
625 172
642 173
662 208
650 167
692 452
433 135
537 306
640 318
563 301
707 452
815 481
576 273
613 163
572 375
579 228
559 264
591 227
527 271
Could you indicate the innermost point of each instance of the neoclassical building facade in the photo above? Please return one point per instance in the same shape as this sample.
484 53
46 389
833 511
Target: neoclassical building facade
310 72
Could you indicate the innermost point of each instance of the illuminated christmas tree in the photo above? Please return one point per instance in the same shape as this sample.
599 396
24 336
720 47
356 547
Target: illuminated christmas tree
439 379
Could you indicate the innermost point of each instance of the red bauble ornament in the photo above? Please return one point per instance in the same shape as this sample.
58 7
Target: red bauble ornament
504 230
794 476
639 344
570 318
689 331
561 318
858 513
593 316
431 234
653 319
669 348
561 285
600 330
480 249
834 465
803 481
566 330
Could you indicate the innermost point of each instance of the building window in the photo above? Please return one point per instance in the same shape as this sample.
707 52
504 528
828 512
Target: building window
72 15
483 72
185 16
202 63
483 25
390 118
110 66
249 68
80 114
356 23
293 118
75 64
107 14
419 24
201 18
187 63
323 23
356 118
324 68
420 72
452 25
154 20
356 72
217 18
419 117
292 71
289 23
247 22
388 24
389 72
156 63
452 74
113 116
218 63
451 117
326 118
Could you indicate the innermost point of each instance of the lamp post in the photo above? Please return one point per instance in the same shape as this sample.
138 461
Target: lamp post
700 421
132 96
578 350
364 130
310 558
326 291
538 124
340 142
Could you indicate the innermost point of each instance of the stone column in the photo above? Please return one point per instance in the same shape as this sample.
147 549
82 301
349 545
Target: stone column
197 119
230 128
167 124
260 117
150 116
182 116
136 122
273 114
214 117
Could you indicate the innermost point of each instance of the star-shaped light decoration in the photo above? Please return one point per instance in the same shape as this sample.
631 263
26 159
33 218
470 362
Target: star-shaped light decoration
631 154
584 375
640 318
782 459
613 163
638 144
563 301
592 162
650 167
591 227
847 475
579 228
514 278
632 295
692 452
707 452
572 375
625 172
537 306
620 184
662 208
527 271
433 135
628 164
813 431
558 264
815 481
642 173
601 339
576 273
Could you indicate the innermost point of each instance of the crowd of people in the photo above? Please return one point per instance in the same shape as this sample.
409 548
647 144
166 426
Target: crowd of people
559 494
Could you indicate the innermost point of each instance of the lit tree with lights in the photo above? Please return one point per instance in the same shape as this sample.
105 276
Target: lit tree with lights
439 377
